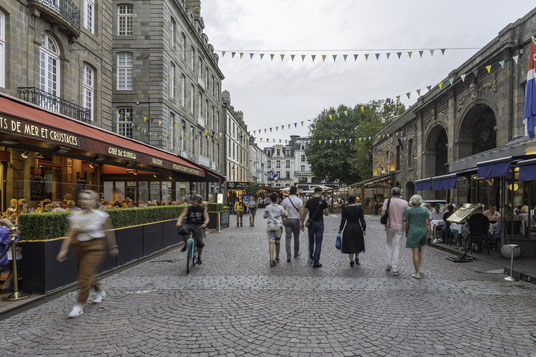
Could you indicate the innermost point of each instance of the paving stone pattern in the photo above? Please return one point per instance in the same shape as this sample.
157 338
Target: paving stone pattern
236 305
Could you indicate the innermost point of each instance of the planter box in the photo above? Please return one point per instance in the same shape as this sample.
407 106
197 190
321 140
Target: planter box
214 220
224 219
42 273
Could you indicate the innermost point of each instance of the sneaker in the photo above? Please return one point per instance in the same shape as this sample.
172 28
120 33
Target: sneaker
296 254
396 273
435 241
76 311
277 260
388 268
317 265
272 263
288 259
416 276
199 261
356 261
352 264
183 248
101 295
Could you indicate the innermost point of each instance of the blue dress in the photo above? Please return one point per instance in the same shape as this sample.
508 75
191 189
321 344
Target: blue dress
418 232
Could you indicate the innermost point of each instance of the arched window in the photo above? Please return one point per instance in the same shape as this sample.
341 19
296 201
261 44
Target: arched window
2 49
88 85
49 72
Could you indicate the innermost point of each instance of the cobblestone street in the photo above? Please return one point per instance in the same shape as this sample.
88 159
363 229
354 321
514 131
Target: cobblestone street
235 304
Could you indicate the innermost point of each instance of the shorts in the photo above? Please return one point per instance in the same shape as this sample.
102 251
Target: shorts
239 213
274 236
252 211
199 235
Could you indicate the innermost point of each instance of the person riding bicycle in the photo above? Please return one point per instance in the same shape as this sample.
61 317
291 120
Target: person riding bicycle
197 220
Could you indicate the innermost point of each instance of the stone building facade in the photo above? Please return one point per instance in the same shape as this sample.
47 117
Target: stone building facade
166 79
236 142
477 117
257 164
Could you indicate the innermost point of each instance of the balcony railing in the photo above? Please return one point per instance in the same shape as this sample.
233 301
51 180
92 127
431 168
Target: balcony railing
54 103
65 11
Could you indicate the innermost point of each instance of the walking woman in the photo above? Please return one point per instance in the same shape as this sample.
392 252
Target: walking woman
353 241
417 227
87 231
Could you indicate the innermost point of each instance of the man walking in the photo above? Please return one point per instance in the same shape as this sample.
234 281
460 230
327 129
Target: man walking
293 206
316 207
394 228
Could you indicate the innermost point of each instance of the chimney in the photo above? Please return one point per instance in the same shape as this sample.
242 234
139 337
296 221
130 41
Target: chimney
240 115
195 6
226 98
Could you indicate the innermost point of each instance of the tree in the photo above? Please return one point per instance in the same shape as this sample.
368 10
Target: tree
343 160
252 188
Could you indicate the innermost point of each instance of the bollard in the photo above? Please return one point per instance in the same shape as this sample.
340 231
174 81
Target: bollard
15 295
511 277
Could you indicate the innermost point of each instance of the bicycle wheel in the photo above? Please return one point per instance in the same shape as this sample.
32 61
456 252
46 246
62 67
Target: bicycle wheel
189 257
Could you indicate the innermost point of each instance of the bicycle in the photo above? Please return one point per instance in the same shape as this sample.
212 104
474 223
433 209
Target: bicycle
191 250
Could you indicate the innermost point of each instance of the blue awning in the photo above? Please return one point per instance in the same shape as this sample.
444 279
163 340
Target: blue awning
423 185
445 182
495 168
527 170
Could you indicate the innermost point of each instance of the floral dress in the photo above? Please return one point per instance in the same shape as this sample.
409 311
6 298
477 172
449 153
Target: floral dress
418 232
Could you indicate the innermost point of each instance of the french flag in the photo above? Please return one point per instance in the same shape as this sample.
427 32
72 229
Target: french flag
275 176
529 118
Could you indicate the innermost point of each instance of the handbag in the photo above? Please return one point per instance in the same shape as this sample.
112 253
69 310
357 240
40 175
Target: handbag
338 242
385 217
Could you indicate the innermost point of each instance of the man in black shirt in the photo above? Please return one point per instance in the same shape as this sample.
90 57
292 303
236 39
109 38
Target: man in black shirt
316 207
197 220
478 225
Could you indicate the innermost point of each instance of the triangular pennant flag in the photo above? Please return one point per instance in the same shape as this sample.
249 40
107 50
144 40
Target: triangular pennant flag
408 94
320 141
463 77
265 131
176 125
254 132
388 54
418 92
366 56
398 98
338 115
346 113
313 57
233 54
282 56
432 53
279 140
276 128
442 51
429 88
377 56
515 58
295 124
440 85
302 123
282 127
262 55
475 73
362 108
302 58
271 56
251 55
334 58
323 58
410 53
270 130
344 56
451 80
223 54
289 126
501 63
488 68
292 57
421 53
206 131
355 57
399 54
330 116
261 139
341 140
144 118
241 55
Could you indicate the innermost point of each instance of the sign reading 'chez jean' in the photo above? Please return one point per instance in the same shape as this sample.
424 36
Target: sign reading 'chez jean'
23 128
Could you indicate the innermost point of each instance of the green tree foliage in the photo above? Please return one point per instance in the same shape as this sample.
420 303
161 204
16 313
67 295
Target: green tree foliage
343 161
252 188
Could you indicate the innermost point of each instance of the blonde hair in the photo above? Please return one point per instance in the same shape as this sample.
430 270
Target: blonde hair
415 200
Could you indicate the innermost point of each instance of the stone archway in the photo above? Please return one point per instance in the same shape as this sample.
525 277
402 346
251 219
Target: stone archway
410 190
436 152
477 131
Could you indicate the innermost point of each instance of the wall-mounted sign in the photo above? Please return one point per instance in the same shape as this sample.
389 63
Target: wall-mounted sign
115 151
157 161
236 185
186 169
20 127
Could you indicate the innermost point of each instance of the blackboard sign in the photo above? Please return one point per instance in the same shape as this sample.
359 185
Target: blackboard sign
37 189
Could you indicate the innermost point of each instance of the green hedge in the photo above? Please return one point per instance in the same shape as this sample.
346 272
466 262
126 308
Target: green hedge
215 207
38 226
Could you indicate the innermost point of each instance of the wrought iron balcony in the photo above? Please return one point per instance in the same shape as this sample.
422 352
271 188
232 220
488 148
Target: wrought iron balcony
54 103
63 12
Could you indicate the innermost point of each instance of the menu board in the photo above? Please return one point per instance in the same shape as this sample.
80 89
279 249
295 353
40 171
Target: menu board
463 213
37 189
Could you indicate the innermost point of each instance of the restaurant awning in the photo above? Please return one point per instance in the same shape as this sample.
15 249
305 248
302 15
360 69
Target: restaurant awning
527 170
377 180
424 184
444 182
495 168
25 120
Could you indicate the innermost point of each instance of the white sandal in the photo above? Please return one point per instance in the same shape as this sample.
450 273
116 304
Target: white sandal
416 276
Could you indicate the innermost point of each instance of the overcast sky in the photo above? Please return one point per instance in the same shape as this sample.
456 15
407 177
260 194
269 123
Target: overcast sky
273 92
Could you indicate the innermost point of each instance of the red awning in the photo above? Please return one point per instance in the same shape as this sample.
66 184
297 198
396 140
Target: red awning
28 120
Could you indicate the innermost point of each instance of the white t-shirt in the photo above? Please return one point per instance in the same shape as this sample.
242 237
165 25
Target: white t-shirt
275 214
435 216
293 212
90 224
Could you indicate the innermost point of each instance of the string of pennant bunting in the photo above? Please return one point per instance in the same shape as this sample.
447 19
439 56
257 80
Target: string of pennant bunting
399 134
442 84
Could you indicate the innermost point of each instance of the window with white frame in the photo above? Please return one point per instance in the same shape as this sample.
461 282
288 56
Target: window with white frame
183 90
124 121
182 135
172 81
192 58
213 87
88 82
172 30
125 18
172 131
49 71
200 74
89 15
192 141
192 89
206 77
125 68
206 110
2 49
212 120
183 46
200 105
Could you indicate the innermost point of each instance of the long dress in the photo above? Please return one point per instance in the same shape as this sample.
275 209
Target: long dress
418 233
352 237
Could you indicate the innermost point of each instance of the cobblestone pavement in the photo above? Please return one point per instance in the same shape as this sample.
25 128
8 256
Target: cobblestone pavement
235 304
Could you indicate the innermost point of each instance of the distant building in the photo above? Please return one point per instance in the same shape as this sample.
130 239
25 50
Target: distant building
236 142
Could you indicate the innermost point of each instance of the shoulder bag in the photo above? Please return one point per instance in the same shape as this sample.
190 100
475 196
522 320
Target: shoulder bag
385 217
285 220
308 222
